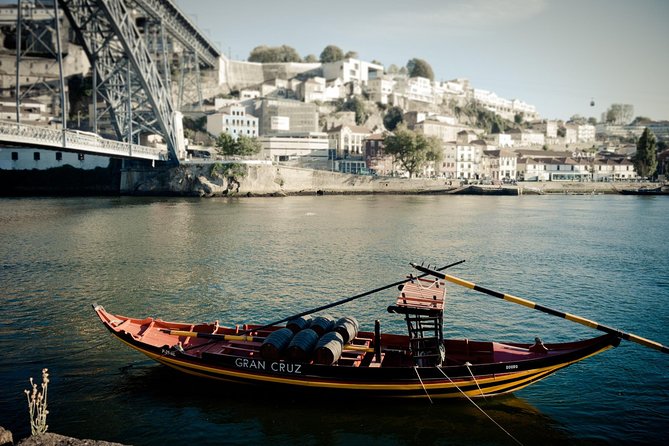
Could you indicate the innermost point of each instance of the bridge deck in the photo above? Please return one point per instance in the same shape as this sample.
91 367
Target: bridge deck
76 141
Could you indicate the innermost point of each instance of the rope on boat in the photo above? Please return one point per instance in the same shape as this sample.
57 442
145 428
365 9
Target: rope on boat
467 364
479 407
423 385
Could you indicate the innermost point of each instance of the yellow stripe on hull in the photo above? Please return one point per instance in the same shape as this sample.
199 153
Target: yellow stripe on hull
511 381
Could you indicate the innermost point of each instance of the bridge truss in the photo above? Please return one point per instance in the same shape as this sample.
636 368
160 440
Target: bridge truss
129 44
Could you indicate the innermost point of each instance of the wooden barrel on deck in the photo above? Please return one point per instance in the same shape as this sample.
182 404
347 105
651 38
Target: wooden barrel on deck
302 345
274 345
322 324
329 348
347 327
299 323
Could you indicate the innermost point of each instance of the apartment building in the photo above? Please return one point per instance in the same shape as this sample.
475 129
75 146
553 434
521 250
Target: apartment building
234 121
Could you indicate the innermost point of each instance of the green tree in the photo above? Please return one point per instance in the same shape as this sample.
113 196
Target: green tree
331 53
225 144
267 54
645 159
393 118
358 106
420 68
351 55
242 146
247 146
413 150
310 58
578 119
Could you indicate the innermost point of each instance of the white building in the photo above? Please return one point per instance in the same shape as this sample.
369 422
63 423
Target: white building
234 121
304 149
352 70
503 164
380 89
507 108
469 154
501 140
524 138
613 170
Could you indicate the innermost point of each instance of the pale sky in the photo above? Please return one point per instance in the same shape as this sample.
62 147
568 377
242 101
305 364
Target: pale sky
554 54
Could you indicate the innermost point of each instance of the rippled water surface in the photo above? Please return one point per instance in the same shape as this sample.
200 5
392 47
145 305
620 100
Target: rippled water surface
258 259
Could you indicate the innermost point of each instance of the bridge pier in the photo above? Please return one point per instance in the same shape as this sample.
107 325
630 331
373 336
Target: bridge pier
136 172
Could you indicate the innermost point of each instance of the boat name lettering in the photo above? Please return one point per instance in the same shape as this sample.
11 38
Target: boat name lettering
512 367
257 364
167 352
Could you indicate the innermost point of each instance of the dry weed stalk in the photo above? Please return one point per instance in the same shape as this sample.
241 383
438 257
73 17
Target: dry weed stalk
37 405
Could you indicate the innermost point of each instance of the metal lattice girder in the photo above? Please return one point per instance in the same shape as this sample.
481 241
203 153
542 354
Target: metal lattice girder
190 83
37 35
125 74
181 28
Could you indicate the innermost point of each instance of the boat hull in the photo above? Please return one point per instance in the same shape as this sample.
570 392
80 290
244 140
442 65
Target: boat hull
511 367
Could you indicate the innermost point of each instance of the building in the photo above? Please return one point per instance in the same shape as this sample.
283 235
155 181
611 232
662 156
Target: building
448 168
468 155
619 169
576 133
503 164
312 89
352 70
348 140
501 140
234 121
375 158
506 108
380 89
524 138
567 169
276 116
303 149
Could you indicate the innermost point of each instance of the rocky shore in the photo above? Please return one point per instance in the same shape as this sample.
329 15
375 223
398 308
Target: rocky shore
49 439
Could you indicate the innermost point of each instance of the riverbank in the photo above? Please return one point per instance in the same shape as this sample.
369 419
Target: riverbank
49 439
237 179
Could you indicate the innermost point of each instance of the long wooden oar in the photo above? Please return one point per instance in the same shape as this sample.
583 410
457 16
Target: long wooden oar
343 301
535 306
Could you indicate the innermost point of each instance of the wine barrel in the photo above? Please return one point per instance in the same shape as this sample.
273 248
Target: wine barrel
347 327
275 344
329 352
302 345
322 324
329 336
299 323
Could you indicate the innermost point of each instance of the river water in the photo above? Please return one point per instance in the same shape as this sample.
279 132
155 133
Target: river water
603 257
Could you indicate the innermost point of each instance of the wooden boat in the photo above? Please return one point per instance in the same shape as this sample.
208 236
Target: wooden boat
300 356
645 190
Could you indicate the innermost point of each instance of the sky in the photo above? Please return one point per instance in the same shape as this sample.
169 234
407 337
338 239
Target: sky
558 55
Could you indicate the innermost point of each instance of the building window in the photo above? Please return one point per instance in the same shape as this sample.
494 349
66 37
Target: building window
59 156
36 156
15 156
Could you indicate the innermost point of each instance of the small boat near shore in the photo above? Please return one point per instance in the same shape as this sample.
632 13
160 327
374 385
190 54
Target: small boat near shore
321 354
661 190
474 189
